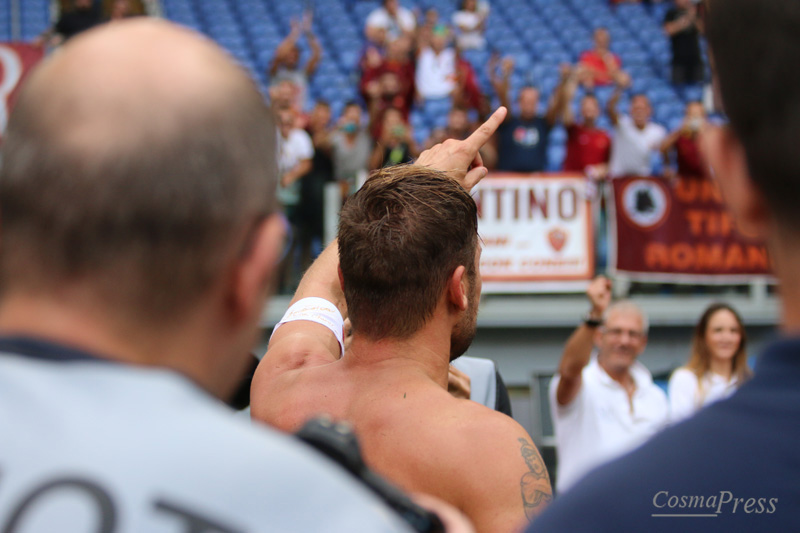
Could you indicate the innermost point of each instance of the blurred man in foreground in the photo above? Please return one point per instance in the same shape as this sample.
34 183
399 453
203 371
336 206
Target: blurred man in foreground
138 245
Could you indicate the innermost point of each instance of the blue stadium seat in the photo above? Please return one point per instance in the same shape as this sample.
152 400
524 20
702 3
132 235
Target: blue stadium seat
558 135
540 34
674 123
555 157
421 135
637 57
691 93
661 94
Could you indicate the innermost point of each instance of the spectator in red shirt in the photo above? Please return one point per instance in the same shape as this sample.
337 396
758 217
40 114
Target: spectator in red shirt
400 60
684 143
600 65
389 94
588 147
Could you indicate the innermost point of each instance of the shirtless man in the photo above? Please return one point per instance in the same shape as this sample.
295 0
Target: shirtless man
408 280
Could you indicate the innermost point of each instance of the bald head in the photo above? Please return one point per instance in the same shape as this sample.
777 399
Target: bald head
139 150
153 77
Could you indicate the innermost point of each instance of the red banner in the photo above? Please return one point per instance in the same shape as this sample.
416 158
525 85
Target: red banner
679 231
16 60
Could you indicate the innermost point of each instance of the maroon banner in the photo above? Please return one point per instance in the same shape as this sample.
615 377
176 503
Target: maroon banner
679 231
16 60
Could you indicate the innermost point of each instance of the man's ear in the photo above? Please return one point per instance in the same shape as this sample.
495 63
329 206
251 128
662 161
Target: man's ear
457 289
726 156
253 273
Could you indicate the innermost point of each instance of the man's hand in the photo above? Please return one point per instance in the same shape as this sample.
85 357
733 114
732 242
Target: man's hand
461 159
507 66
599 294
458 384
622 80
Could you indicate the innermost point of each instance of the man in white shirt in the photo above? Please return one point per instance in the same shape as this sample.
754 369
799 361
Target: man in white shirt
393 19
636 138
605 406
294 161
469 23
436 66
137 210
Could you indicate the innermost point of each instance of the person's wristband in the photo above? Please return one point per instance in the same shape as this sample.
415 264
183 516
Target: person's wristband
591 321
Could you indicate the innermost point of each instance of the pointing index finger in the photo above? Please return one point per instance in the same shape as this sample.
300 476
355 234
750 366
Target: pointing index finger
487 129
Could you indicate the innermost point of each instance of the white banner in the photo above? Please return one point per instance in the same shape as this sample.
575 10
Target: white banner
537 233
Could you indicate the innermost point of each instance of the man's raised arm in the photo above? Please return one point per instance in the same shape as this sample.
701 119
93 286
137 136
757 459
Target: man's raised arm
578 349
311 333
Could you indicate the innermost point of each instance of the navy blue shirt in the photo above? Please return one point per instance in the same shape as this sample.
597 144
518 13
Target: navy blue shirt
522 144
735 466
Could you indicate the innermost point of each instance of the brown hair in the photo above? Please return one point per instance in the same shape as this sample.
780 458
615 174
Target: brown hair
700 359
400 239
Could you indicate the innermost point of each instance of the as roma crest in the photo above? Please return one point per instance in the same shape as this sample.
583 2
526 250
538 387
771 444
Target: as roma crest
557 238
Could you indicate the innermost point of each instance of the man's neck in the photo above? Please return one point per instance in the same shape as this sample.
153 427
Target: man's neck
427 351
620 375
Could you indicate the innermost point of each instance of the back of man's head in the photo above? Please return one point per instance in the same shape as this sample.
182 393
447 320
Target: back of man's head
401 236
754 45
135 161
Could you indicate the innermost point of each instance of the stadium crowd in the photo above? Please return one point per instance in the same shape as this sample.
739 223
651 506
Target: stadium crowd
415 61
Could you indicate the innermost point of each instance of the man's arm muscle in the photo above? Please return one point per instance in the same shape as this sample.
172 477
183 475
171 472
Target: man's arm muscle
507 483
302 343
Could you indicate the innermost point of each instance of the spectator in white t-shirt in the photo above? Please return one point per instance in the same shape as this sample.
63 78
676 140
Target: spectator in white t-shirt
470 23
603 406
636 137
296 151
717 366
436 66
391 18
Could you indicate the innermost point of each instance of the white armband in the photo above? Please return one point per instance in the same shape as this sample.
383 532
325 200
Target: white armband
316 310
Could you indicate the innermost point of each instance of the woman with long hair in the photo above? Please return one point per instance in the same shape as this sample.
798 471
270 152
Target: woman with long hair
717 366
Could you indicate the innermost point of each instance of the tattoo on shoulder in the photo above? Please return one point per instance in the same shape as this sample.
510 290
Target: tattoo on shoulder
535 484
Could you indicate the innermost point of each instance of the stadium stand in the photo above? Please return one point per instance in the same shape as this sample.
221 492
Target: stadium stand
34 18
539 34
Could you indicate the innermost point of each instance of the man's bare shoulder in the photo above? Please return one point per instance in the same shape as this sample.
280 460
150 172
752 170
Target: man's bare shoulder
478 426
499 463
